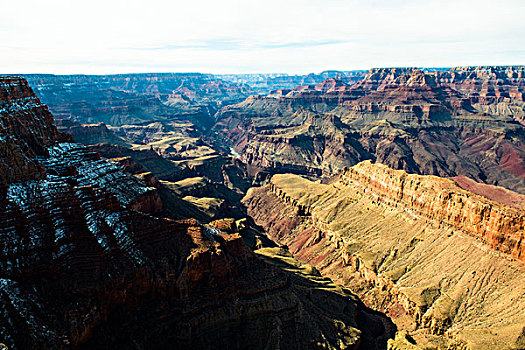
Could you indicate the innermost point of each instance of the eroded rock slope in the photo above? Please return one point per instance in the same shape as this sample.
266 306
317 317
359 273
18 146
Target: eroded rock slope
444 263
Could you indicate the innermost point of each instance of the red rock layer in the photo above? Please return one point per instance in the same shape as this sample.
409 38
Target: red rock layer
495 193
443 202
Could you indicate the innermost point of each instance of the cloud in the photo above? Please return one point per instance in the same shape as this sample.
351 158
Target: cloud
303 44
235 44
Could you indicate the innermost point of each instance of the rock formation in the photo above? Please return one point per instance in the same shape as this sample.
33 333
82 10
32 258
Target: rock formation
433 123
436 258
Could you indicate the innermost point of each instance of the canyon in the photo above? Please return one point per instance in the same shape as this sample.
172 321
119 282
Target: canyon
87 262
137 98
444 123
377 209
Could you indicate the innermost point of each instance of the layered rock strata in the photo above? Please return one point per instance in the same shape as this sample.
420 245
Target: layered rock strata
444 263
442 202
428 123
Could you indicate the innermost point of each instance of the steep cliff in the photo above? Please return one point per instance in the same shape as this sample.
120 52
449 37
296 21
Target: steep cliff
26 128
446 264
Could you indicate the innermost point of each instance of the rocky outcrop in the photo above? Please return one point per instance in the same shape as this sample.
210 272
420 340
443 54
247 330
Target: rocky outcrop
26 128
443 262
442 202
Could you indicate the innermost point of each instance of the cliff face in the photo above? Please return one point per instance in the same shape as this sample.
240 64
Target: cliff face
422 122
26 128
442 202
441 261
83 265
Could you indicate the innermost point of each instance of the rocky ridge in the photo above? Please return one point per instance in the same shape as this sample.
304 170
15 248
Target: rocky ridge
437 259
444 203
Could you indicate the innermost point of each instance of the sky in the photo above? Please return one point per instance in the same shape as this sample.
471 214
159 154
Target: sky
229 36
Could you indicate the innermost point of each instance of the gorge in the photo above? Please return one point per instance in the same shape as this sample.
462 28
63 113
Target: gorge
346 209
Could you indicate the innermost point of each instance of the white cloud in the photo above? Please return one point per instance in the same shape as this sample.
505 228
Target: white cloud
295 36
